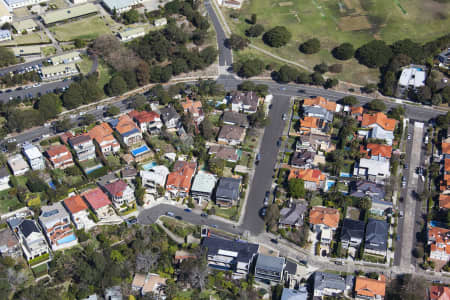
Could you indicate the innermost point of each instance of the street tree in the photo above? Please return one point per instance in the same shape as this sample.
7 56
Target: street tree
237 42
376 105
349 100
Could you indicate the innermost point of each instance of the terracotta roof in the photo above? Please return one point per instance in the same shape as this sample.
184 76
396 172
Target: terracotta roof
96 198
439 292
102 133
379 118
444 201
56 150
445 148
125 124
447 165
357 110
439 239
181 177
324 215
143 116
75 204
312 175
370 287
152 283
376 150
194 107
309 122
320 101
139 280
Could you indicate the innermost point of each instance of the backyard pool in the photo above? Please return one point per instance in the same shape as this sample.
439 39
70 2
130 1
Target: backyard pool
149 166
140 150
67 239
92 169
330 183
51 185
346 175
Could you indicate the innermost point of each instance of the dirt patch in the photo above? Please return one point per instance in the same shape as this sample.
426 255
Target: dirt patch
287 3
354 23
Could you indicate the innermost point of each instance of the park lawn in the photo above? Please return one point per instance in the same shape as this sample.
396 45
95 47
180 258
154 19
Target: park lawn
85 65
48 51
382 19
28 39
104 75
9 202
87 29
66 47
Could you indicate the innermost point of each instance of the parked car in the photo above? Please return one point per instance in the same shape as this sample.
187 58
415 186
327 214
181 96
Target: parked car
170 214
187 210
263 212
275 241
214 226
406 166
266 198
204 215
409 136
283 116
179 218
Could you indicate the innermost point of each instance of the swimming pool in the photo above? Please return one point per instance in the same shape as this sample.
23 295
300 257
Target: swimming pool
92 169
346 175
67 239
330 183
140 150
419 69
149 166
51 185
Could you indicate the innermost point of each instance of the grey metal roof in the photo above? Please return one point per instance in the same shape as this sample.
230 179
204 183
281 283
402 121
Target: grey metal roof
271 263
293 215
204 182
301 158
291 267
324 280
320 112
370 189
245 250
228 188
376 235
169 113
352 228
4 172
27 227
235 118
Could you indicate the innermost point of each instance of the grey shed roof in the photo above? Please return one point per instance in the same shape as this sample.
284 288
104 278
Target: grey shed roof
245 250
376 235
324 280
352 228
228 188
169 113
272 263
4 172
320 112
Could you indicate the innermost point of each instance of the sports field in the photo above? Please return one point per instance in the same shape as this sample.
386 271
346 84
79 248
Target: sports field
87 29
354 21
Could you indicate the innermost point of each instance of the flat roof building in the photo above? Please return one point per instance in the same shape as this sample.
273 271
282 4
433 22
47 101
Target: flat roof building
34 156
5 35
412 77
120 6
61 15
24 25
26 50
203 186
5 13
269 268
21 3
131 33
65 58
18 165
58 71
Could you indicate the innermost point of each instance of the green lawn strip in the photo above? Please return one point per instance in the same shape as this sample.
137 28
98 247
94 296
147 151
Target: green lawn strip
38 259
104 75
40 270
226 213
85 65
48 51
87 29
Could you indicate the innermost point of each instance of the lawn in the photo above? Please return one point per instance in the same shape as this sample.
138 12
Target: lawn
85 65
30 38
104 75
88 29
8 202
67 47
47 51
226 213
334 22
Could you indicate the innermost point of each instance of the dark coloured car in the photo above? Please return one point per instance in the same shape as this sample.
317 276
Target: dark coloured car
187 210
204 215
263 212
178 218
274 241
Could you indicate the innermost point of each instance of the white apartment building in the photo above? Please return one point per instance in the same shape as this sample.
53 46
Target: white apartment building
34 156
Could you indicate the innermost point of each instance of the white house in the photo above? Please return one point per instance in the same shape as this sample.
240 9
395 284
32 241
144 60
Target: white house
372 170
154 177
30 237
411 78
18 165
4 179
34 157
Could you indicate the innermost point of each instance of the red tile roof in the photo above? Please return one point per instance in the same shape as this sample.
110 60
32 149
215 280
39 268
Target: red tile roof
368 287
181 177
444 201
445 148
56 150
75 204
125 124
379 118
439 292
439 238
376 150
312 175
324 215
357 110
322 102
102 133
143 116
96 198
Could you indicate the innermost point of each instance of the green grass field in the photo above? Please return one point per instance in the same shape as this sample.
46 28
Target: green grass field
27 39
88 29
85 65
335 22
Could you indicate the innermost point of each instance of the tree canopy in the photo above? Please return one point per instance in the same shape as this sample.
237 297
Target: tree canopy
344 51
374 54
376 105
311 46
277 36
297 188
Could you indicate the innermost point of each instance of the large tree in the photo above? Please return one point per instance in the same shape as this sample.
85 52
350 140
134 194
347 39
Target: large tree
49 106
344 51
297 188
116 86
311 46
255 30
374 54
376 105
236 42
277 36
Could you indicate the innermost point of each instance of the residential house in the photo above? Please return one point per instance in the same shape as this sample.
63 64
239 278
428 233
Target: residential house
203 186
368 189
233 4
18 165
121 194
439 292
369 288
129 174
34 156
318 112
84 147
228 191
376 238
312 125
79 212
324 221
444 200
323 103
148 121
352 233
314 179
4 179
372 170
180 179
381 208
381 126
328 284
9 245
439 242
231 135
131 34
195 109
99 202
357 112
170 117
127 130
226 153
411 78
303 159
377 151
154 177
269 268
290 294
444 57
102 135
55 222
59 156
292 217
236 256
30 237
246 102
235 118
316 142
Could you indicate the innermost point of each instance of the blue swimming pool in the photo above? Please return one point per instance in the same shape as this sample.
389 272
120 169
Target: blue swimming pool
51 185
67 239
330 183
437 224
149 166
419 69
92 169
140 150
346 175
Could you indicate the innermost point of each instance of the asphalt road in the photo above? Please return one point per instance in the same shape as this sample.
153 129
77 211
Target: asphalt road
262 179
225 55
